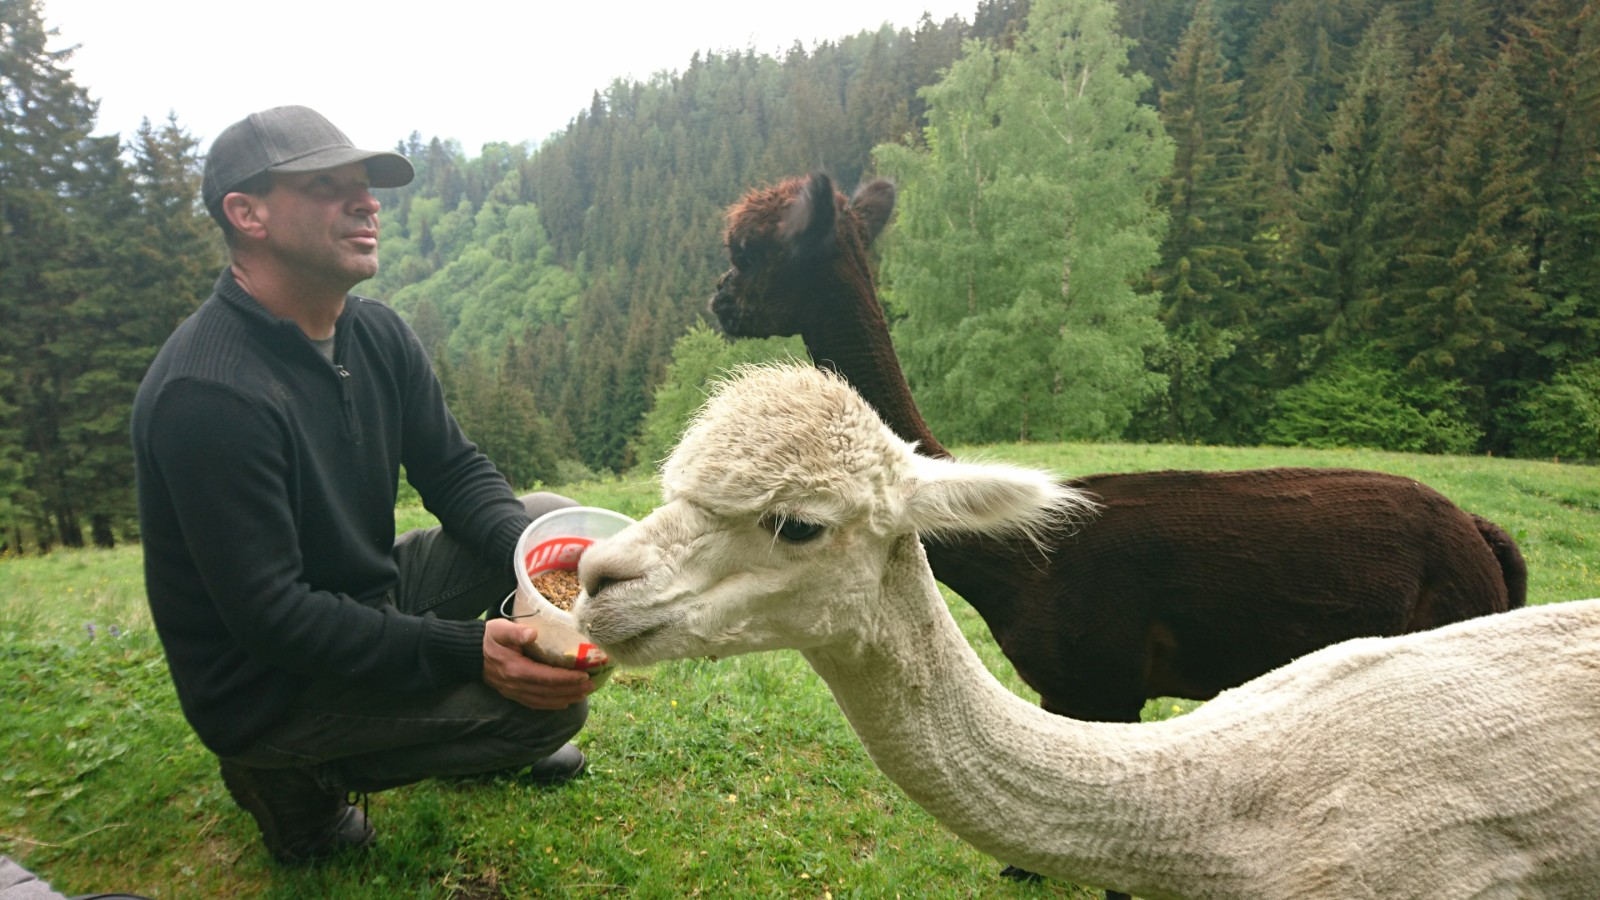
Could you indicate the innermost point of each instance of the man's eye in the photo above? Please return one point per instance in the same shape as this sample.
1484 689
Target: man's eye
794 530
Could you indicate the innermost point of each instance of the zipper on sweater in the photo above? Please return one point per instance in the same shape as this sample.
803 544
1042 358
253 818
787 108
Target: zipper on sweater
348 395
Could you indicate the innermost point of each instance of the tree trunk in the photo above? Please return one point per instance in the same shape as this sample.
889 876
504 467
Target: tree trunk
100 531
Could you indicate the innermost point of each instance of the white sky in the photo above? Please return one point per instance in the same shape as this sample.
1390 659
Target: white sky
474 70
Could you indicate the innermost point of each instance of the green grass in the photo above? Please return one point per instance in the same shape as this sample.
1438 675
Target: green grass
727 779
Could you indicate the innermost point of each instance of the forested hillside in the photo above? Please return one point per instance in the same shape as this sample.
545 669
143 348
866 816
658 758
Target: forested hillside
1324 222
551 283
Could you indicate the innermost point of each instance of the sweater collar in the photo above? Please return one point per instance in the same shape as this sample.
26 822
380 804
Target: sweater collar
236 297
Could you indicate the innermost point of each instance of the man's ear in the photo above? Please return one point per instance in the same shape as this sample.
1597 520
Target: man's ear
246 213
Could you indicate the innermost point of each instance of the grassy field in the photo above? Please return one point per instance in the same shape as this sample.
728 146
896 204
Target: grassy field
735 778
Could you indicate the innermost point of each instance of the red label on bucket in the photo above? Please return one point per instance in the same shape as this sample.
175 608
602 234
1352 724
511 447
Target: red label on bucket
590 656
556 553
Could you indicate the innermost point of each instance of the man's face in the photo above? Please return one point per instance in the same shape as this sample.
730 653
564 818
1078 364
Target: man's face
324 225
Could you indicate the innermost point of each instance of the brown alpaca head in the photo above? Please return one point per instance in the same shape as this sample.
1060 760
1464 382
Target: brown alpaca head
797 248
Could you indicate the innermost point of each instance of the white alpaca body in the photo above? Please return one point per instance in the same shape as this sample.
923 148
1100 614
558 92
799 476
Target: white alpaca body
1462 762
1442 764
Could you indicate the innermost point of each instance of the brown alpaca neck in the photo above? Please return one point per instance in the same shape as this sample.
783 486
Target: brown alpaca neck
852 338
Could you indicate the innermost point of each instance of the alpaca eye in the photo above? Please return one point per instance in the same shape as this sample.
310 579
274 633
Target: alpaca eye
744 256
795 531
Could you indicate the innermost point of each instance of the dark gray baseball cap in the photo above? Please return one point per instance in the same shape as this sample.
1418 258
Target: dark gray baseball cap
290 139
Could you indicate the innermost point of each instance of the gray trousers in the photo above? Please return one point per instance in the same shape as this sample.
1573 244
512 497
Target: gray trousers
366 739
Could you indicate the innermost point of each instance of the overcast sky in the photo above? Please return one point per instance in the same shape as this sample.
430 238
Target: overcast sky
474 70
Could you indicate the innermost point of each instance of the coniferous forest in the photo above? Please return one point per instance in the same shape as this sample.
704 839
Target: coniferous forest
1317 222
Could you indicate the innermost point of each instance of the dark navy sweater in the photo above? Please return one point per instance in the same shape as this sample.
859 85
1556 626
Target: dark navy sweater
266 484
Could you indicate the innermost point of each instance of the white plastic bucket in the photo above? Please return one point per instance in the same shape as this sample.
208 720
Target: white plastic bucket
557 540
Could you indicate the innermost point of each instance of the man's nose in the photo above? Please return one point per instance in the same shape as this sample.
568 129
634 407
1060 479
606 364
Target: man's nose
366 204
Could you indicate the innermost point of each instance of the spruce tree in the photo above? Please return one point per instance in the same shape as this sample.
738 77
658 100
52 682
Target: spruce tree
1553 49
1202 261
54 214
1466 297
1343 237
1470 23
1277 138
1204 277
162 254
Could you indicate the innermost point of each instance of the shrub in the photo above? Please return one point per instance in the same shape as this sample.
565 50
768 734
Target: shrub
698 357
1360 399
1562 419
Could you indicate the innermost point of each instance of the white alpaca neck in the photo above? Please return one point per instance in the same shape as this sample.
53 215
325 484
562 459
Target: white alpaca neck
1007 776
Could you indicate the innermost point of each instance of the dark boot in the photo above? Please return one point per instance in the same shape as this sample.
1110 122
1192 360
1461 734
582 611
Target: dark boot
562 766
302 816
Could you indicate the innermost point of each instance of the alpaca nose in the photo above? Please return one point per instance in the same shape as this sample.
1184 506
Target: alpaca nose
596 585
597 571
721 303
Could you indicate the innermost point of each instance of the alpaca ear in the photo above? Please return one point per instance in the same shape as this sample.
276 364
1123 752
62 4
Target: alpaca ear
989 498
808 223
874 203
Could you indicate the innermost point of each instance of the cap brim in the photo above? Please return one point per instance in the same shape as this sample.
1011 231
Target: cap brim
386 170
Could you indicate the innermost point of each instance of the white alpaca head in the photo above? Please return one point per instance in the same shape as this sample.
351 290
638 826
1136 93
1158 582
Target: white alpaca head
785 506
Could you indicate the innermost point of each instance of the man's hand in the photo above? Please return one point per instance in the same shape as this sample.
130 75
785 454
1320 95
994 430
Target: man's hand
530 683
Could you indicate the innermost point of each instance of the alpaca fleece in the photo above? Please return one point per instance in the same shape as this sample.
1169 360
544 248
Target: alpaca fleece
1458 762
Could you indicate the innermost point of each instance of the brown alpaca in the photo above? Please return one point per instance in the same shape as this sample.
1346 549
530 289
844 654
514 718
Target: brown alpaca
1187 583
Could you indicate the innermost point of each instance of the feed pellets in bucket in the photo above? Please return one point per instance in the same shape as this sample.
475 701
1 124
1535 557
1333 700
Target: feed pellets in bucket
547 584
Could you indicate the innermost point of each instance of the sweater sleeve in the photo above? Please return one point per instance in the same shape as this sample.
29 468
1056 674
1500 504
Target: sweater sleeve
458 484
226 469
